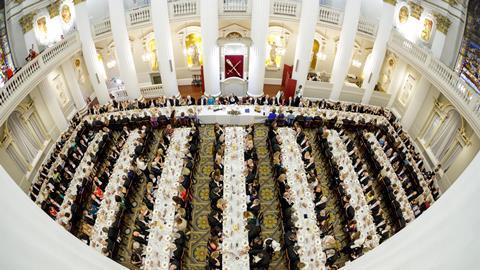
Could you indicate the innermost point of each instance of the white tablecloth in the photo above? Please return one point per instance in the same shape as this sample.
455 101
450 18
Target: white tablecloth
162 225
235 235
363 215
107 213
43 194
71 193
309 241
382 158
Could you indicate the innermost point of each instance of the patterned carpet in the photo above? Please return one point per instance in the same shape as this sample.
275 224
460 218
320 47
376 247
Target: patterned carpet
195 255
270 206
194 258
336 217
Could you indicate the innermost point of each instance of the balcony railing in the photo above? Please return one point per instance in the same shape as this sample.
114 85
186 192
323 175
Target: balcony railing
233 6
367 27
330 16
183 8
18 87
139 15
102 27
445 79
286 8
152 91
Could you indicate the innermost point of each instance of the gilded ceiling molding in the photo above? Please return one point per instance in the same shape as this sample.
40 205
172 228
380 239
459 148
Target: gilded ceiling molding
18 1
26 21
443 23
451 2
415 10
391 2
75 2
54 9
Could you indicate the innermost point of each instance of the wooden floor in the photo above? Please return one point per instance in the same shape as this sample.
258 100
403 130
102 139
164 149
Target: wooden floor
195 91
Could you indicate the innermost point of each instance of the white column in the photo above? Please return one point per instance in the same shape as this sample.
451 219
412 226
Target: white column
31 41
345 46
306 35
73 85
53 104
126 65
90 53
256 68
397 79
373 66
438 43
211 52
415 103
163 37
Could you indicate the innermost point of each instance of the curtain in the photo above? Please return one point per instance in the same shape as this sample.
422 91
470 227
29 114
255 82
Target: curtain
431 127
37 127
446 134
20 136
457 148
13 154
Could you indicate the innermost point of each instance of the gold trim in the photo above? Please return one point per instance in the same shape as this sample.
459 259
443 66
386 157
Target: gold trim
443 23
415 10
75 2
391 2
54 9
26 21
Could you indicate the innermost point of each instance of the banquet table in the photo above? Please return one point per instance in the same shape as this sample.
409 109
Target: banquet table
107 213
235 234
382 158
162 225
363 215
42 195
85 165
309 241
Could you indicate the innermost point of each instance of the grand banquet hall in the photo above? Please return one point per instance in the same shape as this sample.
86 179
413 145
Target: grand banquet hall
239 134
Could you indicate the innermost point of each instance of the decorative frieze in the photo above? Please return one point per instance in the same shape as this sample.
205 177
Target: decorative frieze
415 10
54 9
443 23
75 2
26 21
391 2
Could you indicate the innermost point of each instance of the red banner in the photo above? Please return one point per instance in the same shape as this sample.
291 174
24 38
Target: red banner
233 66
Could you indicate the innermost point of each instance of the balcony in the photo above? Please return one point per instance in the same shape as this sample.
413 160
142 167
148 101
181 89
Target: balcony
183 10
19 86
465 99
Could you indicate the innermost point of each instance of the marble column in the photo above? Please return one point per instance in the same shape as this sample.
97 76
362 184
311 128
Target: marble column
345 46
163 37
50 98
415 104
73 86
211 51
259 33
397 79
123 48
26 21
438 43
373 66
306 35
90 52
